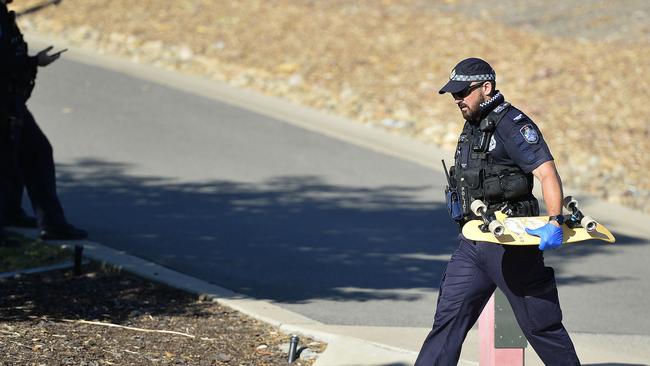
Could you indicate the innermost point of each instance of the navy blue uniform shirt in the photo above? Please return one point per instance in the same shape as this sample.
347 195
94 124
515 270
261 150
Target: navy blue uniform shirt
518 141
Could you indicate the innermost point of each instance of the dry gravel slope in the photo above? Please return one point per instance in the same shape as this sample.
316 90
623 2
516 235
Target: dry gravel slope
381 63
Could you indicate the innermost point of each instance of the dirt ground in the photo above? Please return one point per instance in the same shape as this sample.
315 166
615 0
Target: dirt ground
56 318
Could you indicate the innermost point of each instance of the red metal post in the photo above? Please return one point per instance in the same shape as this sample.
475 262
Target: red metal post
488 354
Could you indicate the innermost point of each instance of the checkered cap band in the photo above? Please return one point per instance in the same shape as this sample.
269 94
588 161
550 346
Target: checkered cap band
473 77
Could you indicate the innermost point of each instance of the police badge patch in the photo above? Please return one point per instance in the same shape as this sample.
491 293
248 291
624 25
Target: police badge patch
530 134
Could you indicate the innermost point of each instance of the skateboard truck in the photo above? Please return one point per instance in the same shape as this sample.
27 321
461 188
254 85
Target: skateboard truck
490 223
577 218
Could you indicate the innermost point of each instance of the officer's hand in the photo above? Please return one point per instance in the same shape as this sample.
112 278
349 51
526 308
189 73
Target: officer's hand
43 59
550 234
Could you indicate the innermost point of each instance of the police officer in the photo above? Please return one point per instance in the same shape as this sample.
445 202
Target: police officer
499 152
5 164
32 152
6 151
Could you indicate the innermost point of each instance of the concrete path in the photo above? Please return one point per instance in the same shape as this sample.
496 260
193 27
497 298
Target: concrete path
321 216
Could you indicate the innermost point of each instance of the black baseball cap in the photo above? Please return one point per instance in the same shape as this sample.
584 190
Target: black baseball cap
468 70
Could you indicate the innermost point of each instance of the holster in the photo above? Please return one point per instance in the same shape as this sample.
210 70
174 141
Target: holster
453 204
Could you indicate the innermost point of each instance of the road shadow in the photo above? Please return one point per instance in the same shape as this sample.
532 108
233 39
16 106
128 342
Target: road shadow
289 239
571 253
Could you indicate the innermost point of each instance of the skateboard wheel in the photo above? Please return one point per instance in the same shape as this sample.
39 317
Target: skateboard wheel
496 228
588 223
477 206
570 201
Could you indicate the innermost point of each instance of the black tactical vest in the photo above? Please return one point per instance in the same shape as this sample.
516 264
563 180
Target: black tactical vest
500 187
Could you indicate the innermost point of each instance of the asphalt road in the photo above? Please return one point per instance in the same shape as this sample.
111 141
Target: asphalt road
337 232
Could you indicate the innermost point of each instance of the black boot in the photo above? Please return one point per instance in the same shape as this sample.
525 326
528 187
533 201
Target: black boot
21 219
7 241
67 232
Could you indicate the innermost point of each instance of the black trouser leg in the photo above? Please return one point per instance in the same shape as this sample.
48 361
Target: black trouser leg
464 291
3 207
530 288
14 192
37 166
7 167
470 280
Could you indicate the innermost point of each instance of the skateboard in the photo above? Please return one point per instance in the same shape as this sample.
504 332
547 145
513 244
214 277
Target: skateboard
501 229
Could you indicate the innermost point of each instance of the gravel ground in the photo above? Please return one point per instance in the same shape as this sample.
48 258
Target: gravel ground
59 319
620 20
578 68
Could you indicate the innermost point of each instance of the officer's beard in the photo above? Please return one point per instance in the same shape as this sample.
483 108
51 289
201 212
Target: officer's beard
470 112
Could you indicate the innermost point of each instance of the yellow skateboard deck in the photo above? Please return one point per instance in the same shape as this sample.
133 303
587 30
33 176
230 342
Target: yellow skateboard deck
515 231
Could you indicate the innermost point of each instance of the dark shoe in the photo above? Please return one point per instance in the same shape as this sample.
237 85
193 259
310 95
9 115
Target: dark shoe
63 233
8 242
22 220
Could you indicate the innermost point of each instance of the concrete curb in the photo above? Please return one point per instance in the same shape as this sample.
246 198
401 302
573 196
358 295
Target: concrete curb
41 269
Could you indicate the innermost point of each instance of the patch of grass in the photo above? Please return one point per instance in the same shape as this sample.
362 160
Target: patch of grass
30 253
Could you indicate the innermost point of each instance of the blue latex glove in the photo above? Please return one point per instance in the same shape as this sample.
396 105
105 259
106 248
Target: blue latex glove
550 234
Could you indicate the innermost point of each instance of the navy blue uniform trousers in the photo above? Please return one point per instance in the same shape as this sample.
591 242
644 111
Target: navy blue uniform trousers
34 169
6 166
473 273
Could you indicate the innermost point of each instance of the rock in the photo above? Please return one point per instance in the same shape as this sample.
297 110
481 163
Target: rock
219 45
395 123
288 67
308 355
185 53
152 48
116 38
295 80
284 347
222 357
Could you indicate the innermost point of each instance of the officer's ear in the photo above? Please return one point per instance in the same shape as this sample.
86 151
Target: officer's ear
488 88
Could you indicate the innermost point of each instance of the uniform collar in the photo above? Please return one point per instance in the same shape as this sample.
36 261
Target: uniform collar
488 106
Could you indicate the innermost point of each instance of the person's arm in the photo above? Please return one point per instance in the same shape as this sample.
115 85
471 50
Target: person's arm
551 188
550 234
44 58
525 145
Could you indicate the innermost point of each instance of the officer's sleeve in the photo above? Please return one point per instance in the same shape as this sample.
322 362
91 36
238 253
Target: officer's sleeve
31 65
523 141
10 64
